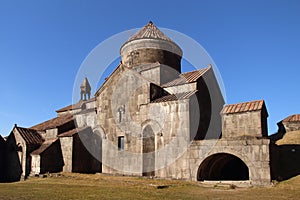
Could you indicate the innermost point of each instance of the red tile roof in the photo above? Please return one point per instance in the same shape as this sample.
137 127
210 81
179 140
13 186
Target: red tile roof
44 146
243 107
30 136
175 97
188 77
292 118
53 123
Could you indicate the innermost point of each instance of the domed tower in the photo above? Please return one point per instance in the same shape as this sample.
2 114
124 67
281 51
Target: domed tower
150 48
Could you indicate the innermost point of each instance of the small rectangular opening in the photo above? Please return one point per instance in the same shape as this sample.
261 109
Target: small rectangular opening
121 143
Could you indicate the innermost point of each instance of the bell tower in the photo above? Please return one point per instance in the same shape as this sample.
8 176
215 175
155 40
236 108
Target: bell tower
85 90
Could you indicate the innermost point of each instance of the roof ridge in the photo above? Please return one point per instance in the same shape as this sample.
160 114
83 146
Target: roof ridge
175 96
243 107
187 77
261 100
204 68
292 118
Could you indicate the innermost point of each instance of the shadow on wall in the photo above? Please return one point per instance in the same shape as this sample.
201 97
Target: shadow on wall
87 155
52 159
2 159
13 155
223 166
285 161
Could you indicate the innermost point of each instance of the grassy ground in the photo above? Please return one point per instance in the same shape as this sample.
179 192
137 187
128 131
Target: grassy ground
100 186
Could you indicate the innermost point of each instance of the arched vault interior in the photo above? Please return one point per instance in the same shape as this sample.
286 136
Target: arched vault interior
223 166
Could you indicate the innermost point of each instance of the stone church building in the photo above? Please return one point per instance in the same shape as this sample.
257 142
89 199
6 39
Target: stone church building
150 119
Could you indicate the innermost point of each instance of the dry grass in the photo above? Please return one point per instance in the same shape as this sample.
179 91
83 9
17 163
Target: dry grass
100 186
292 137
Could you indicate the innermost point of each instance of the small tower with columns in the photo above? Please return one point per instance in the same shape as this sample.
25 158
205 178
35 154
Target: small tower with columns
85 90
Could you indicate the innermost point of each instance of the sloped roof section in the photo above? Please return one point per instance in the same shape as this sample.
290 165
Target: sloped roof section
53 123
175 97
149 31
117 70
188 77
292 118
289 138
30 136
45 145
75 106
72 132
243 107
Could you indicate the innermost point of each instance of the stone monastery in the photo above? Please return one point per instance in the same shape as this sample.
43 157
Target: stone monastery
150 119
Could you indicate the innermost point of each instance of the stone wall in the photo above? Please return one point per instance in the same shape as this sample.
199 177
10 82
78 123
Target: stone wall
151 51
67 152
52 159
170 123
35 165
83 160
291 126
50 133
118 115
254 153
243 124
86 119
182 88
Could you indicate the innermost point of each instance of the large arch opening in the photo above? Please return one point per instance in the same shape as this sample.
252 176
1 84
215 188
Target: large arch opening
223 166
148 151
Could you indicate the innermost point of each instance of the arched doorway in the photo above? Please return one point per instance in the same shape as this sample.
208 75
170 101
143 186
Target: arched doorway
223 166
148 151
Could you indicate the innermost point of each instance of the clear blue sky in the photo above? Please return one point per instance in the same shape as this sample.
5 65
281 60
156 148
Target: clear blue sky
255 44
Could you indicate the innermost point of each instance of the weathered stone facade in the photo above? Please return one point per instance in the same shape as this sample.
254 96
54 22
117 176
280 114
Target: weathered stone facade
20 143
165 124
149 119
291 123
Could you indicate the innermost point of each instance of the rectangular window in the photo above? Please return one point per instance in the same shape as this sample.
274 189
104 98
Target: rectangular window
121 143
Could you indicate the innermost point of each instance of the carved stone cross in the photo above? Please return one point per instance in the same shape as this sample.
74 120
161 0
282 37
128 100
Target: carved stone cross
121 110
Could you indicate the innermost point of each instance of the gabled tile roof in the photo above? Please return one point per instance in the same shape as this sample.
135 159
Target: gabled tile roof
75 106
292 118
243 107
45 145
69 133
54 123
149 31
30 136
188 77
69 107
175 97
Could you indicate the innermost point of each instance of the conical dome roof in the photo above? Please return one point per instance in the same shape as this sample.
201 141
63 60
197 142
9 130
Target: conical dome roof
149 31
150 45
